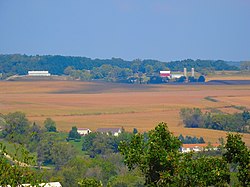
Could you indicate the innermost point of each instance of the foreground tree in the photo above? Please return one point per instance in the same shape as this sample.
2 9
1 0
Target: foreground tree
50 125
89 182
16 127
16 171
154 157
238 153
73 134
162 164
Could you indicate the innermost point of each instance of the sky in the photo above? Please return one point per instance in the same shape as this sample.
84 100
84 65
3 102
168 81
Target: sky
165 30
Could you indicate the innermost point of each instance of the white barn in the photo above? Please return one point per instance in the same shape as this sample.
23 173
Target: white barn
38 73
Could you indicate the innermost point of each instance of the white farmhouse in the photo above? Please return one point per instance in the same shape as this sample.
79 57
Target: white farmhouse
83 131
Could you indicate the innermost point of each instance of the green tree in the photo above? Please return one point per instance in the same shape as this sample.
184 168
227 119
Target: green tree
237 152
192 117
135 131
85 75
201 79
89 182
17 173
246 116
44 147
73 134
61 153
202 171
50 125
68 70
135 66
149 69
16 127
162 164
153 157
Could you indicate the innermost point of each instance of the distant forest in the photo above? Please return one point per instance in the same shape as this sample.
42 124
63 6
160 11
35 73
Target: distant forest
21 64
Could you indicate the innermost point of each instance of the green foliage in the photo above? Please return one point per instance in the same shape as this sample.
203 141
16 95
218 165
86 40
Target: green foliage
16 171
153 157
50 125
127 180
73 134
237 122
201 79
16 127
61 153
238 153
162 164
58 65
191 140
203 171
210 99
192 117
52 149
102 144
89 182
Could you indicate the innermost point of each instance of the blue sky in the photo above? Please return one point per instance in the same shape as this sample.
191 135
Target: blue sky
147 29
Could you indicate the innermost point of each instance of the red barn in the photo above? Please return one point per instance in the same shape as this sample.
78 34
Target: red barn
165 74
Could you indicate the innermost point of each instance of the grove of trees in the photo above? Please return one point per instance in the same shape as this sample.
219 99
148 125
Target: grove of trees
195 118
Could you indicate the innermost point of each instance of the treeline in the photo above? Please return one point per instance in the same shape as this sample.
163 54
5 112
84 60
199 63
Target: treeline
21 64
195 118
191 140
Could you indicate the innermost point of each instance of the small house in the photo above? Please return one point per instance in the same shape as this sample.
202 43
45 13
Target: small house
112 131
83 131
186 148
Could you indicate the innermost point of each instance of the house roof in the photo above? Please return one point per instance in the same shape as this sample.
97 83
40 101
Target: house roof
199 145
83 129
113 130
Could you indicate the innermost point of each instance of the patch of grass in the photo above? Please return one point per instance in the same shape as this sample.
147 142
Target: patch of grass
239 107
215 110
15 150
211 99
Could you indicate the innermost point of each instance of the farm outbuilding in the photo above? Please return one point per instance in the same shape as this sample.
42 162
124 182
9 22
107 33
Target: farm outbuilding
185 148
113 131
165 74
39 73
83 131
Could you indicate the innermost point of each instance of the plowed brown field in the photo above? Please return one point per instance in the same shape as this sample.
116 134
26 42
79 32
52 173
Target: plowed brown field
95 105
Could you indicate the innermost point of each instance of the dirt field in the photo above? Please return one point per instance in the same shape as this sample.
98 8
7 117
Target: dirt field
95 105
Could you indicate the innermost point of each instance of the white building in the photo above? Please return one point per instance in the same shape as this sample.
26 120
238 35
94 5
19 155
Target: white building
176 76
50 184
38 73
186 148
112 131
83 131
